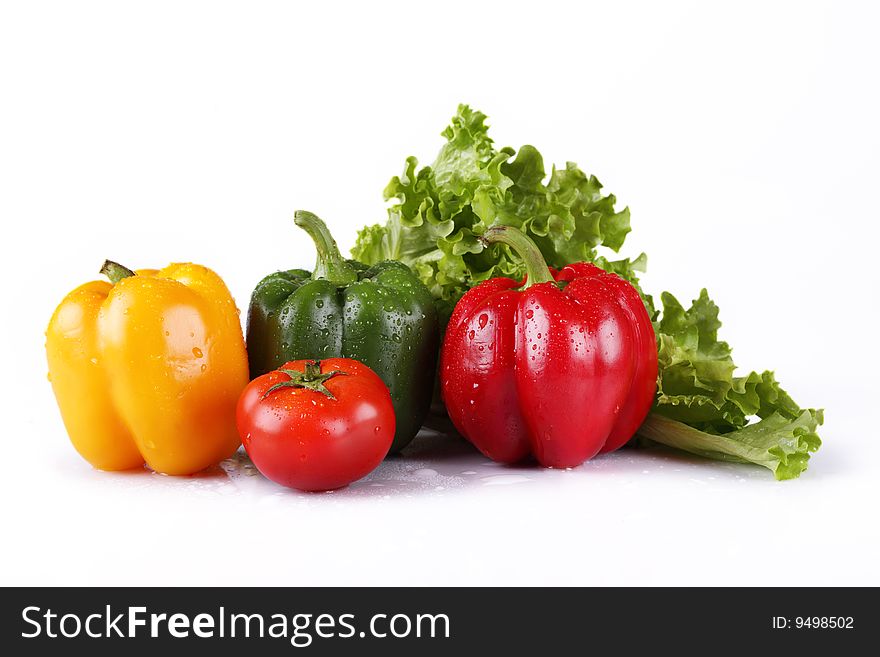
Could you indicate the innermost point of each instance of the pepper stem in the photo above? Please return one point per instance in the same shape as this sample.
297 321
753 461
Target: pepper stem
115 272
536 267
310 378
330 265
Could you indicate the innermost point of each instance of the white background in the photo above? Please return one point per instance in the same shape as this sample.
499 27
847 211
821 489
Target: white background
744 139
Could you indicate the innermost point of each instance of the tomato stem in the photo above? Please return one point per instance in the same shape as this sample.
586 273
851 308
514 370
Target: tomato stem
311 378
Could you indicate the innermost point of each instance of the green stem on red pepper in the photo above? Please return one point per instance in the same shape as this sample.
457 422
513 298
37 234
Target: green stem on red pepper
536 267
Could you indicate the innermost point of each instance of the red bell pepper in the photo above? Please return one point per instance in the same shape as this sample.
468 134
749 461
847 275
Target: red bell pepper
562 367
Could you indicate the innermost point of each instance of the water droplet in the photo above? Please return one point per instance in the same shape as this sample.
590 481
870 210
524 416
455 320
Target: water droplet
93 361
530 314
484 318
319 303
197 352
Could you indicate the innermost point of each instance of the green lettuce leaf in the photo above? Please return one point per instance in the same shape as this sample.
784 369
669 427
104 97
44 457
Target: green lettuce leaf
439 211
702 408
781 444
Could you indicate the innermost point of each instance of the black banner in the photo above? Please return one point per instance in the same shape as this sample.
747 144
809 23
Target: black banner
433 621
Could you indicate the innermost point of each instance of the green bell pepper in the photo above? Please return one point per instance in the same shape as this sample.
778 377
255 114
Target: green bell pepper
383 316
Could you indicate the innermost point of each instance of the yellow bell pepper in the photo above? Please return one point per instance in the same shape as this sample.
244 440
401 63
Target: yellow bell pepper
148 368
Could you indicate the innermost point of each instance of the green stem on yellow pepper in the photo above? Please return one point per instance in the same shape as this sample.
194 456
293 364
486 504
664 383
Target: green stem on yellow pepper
115 272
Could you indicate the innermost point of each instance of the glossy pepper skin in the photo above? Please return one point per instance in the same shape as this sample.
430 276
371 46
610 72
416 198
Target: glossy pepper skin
148 368
561 369
382 316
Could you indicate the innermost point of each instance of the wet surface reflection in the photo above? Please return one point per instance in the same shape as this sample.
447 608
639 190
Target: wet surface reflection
439 462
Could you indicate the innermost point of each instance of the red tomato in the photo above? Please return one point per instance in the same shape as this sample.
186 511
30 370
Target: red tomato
316 425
